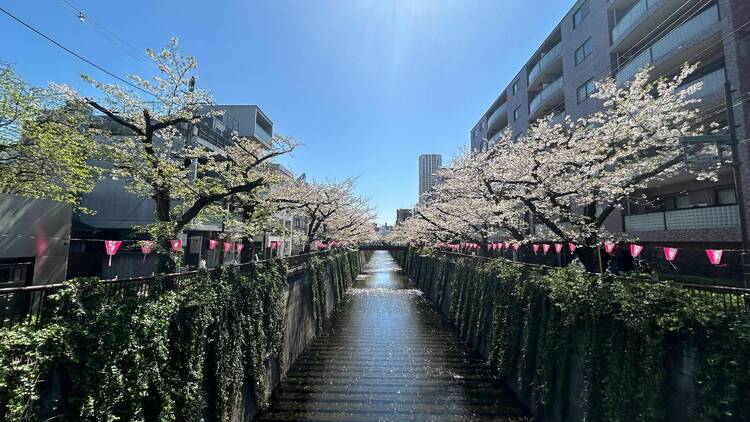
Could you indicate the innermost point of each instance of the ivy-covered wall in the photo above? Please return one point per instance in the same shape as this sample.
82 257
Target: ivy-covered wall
211 350
578 348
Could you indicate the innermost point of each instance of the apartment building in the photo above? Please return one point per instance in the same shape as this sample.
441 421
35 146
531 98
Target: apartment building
118 212
601 38
429 164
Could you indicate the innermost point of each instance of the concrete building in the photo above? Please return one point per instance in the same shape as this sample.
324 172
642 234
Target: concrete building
402 214
429 164
600 38
34 241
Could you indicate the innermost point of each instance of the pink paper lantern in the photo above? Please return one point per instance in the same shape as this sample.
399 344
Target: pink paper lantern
176 245
516 246
572 247
558 247
536 248
146 247
609 247
212 244
670 254
239 247
227 246
506 245
714 255
635 250
545 248
111 247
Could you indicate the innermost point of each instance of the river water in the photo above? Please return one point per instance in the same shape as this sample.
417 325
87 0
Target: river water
387 354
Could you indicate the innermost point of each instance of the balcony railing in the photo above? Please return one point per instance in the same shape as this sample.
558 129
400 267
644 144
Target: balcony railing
558 118
496 137
262 134
670 42
502 110
626 23
713 83
551 55
693 218
546 93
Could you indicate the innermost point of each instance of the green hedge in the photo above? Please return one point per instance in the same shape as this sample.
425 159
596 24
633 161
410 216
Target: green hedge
620 342
180 355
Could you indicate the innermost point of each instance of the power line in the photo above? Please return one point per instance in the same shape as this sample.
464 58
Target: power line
50 39
118 42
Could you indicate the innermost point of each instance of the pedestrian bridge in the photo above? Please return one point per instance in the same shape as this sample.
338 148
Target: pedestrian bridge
388 354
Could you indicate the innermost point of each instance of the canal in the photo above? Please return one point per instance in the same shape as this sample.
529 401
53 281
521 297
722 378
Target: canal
387 354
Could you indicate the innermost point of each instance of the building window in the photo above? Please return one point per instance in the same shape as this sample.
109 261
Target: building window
515 87
580 14
676 203
726 196
583 51
516 113
584 91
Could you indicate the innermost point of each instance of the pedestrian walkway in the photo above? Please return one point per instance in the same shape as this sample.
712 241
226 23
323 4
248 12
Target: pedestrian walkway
388 355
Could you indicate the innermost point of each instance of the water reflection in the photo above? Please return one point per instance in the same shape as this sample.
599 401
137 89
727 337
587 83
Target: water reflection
388 355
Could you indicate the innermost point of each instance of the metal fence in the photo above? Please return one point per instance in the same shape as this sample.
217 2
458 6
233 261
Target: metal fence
28 303
728 298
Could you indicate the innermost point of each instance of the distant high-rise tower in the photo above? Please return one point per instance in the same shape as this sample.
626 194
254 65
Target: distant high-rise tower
429 164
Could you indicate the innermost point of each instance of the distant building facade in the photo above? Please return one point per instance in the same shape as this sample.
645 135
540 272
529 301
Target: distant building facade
429 164
402 214
601 38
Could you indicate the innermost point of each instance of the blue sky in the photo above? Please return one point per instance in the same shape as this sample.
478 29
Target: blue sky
365 85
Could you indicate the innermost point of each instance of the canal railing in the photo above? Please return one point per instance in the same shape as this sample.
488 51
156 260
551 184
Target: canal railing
728 298
28 303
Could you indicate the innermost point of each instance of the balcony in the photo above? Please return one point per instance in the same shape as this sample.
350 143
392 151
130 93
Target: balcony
628 21
262 134
671 42
713 84
545 95
497 115
558 119
548 58
496 137
693 218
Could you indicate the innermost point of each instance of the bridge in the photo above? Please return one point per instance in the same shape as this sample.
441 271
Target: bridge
382 247
387 354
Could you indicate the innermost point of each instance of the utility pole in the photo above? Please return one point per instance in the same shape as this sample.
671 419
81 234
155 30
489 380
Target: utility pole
738 186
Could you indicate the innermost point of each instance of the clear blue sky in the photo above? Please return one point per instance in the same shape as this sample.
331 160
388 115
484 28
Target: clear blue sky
366 85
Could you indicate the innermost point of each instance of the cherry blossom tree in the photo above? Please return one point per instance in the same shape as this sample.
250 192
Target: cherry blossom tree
185 182
461 208
330 210
570 177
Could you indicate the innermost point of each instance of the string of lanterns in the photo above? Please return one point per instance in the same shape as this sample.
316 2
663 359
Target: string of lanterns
670 254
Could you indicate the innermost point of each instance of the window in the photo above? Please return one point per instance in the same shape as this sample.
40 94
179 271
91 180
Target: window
726 196
515 87
580 14
583 51
676 202
584 91
516 113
